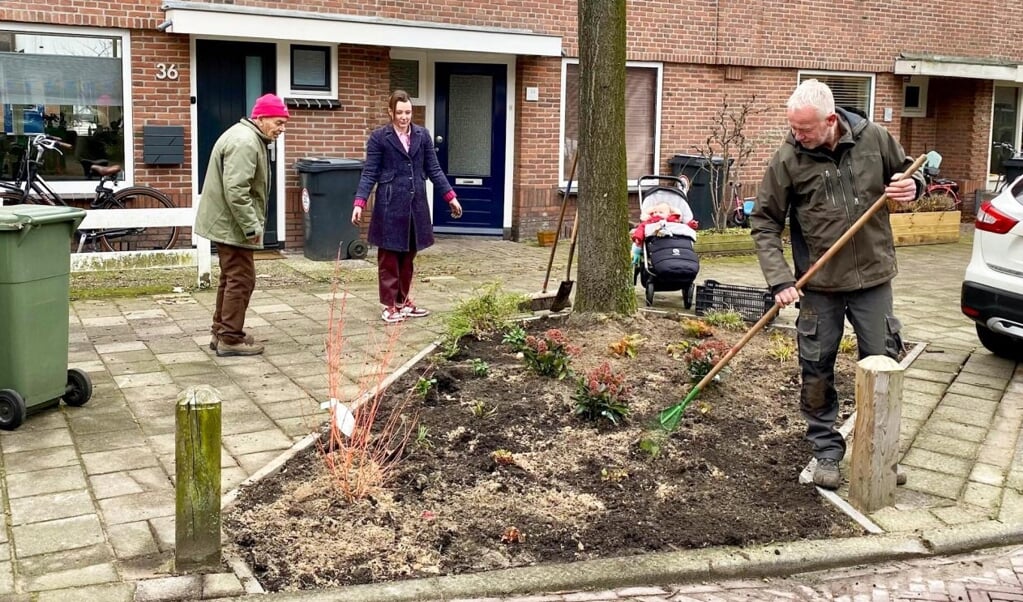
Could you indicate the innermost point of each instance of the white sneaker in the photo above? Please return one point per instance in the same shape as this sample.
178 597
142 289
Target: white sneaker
392 315
409 310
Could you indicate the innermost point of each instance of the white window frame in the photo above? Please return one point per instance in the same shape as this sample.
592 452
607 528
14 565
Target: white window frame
284 72
871 88
659 67
88 187
421 58
921 83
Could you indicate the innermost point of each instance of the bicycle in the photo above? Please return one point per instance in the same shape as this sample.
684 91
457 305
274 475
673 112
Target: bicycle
939 193
30 187
738 216
1003 148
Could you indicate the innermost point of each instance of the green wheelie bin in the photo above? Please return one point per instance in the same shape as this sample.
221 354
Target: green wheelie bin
35 266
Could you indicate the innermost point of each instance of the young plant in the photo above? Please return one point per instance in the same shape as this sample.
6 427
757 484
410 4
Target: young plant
782 347
422 440
696 329
602 394
480 368
481 410
515 337
652 441
486 312
678 350
423 386
728 319
701 359
549 354
502 457
627 346
847 345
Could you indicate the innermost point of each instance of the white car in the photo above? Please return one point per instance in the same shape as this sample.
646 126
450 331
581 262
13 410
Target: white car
993 286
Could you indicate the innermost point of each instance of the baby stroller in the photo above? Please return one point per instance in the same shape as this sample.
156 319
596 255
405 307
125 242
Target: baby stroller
667 260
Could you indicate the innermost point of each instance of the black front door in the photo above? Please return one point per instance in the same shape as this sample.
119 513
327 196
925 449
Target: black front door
230 76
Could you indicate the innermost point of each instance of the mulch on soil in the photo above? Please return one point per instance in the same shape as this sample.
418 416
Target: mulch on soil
574 490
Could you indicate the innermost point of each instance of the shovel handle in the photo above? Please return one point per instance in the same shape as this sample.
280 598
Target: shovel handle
571 246
771 313
561 222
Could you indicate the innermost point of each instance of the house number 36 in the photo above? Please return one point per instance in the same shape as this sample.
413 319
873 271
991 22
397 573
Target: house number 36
165 71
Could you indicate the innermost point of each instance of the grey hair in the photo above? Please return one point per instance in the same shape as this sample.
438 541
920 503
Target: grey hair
813 93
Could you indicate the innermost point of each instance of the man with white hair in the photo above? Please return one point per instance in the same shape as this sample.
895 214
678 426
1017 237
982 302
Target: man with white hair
830 170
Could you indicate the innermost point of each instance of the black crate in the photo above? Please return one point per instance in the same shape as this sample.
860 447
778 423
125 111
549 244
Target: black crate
750 302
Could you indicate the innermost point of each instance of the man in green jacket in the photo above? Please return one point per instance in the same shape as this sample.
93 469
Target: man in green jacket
832 167
232 213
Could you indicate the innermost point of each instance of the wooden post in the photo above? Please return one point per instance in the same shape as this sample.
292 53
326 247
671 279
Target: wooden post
197 458
876 433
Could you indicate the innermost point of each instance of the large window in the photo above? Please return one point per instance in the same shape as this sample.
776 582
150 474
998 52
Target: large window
65 85
852 91
642 118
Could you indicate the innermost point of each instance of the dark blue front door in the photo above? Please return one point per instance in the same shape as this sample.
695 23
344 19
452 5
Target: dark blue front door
469 133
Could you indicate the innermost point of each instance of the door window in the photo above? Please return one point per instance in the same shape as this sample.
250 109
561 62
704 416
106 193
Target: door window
1005 120
470 98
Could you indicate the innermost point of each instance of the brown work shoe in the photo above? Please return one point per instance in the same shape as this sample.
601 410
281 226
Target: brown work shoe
214 340
246 347
826 475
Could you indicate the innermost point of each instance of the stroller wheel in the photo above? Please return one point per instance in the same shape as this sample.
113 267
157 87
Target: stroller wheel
687 294
650 294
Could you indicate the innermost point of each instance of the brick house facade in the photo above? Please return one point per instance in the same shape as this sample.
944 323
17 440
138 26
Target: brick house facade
701 52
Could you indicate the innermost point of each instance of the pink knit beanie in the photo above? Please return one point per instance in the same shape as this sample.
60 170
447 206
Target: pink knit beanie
269 105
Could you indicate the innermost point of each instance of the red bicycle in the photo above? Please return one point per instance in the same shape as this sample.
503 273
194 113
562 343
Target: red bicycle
738 216
939 193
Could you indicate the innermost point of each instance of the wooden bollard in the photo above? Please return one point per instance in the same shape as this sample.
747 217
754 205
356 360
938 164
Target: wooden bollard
197 458
875 451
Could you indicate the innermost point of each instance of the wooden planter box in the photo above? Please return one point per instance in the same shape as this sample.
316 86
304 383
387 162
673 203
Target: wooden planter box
720 243
925 228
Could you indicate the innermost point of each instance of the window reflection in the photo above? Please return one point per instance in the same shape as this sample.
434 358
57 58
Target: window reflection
66 86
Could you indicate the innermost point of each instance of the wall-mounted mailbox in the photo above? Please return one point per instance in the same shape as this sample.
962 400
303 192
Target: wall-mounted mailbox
163 144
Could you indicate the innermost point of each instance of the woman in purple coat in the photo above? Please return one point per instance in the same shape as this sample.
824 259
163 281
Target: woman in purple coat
399 159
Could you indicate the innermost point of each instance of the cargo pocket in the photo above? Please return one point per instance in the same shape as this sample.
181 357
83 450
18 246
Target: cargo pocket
893 344
809 343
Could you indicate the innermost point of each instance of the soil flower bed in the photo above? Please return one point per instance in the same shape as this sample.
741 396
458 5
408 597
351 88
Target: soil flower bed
504 467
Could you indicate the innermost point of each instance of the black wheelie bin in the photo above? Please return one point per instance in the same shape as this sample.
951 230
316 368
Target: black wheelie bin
35 267
328 189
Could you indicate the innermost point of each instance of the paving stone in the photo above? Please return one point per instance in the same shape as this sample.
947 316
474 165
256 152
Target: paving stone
169 588
117 460
924 386
975 391
893 520
126 483
112 592
934 376
132 539
29 461
252 463
114 348
955 430
1011 510
261 441
982 406
56 535
221 585
50 506
147 379
939 463
7 580
962 416
985 496
982 380
70 578
988 475
120 420
941 485
136 507
49 480
31 440
961 514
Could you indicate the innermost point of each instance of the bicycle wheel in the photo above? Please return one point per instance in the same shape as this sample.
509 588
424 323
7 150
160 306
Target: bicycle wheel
10 197
138 239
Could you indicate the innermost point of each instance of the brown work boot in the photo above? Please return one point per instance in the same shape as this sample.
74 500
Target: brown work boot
246 347
214 340
826 475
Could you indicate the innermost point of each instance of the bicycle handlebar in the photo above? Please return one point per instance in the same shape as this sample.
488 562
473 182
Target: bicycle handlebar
50 142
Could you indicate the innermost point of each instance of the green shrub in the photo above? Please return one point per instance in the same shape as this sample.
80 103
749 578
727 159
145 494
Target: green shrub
486 312
549 354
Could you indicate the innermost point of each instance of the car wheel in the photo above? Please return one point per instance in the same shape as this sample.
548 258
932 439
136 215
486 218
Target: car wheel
1000 344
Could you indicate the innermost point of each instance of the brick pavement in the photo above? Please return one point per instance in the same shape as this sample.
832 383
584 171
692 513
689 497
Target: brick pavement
88 492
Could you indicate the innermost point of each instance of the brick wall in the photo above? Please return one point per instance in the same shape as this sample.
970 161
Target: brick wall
764 41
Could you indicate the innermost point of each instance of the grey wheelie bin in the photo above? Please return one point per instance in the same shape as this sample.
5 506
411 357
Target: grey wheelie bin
328 189
35 264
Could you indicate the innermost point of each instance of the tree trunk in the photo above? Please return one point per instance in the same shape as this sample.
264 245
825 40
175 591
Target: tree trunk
605 269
